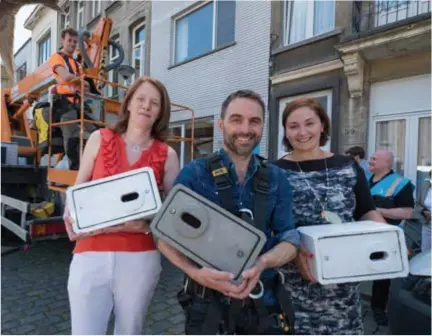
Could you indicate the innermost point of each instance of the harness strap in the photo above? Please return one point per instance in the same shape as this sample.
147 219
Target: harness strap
223 182
66 59
91 82
261 189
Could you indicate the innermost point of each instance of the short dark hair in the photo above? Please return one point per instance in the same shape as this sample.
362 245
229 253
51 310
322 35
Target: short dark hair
314 105
68 31
248 94
356 150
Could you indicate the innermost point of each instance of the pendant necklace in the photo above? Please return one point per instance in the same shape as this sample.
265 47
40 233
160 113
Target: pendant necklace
135 148
330 216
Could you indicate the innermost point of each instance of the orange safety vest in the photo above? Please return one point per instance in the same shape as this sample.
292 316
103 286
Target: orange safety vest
60 59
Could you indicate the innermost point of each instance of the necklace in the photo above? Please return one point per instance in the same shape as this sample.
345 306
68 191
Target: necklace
329 216
134 147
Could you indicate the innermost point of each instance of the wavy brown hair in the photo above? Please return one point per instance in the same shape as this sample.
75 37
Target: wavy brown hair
160 127
315 106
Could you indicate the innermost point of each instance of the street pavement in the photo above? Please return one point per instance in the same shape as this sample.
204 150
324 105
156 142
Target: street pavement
34 296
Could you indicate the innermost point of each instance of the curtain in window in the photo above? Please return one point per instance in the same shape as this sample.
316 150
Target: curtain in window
297 20
324 16
390 135
181 40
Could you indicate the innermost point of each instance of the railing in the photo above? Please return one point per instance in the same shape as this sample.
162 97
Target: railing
368 15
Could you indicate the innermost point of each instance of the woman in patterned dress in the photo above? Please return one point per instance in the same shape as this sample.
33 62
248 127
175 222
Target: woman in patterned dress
327 188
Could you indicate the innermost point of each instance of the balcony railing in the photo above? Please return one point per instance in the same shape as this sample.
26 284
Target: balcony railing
368 15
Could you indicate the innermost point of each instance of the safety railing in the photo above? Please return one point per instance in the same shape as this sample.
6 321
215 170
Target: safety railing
66 177
369 15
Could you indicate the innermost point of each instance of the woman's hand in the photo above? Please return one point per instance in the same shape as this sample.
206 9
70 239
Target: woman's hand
302 264
68 223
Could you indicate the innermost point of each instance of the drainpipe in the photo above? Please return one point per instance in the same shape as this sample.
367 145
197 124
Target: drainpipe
273 39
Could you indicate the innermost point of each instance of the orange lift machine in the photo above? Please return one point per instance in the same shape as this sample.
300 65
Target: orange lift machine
32 189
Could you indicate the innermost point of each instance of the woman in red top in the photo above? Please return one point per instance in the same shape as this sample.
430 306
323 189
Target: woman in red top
118 268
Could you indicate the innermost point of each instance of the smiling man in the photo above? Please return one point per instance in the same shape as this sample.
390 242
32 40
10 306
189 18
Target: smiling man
66 95
214 304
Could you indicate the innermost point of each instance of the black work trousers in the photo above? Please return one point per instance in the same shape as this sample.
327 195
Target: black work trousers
200 319
380 293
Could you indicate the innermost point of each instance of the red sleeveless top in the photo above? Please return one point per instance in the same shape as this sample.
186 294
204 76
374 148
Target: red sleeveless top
111 160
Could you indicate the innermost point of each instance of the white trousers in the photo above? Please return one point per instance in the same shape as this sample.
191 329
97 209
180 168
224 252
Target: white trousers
102 281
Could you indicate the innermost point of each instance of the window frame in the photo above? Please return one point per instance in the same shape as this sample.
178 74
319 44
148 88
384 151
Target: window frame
66 18
314 94
21 68
96 8
286 21
182 125
80 13
112 58
141 44
45 38
183 15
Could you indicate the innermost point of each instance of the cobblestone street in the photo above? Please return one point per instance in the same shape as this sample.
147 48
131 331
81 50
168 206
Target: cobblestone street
34 296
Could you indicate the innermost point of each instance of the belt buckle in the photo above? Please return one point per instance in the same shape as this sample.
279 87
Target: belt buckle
203 290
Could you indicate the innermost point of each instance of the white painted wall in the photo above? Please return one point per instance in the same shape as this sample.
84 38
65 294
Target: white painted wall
204 83
47 21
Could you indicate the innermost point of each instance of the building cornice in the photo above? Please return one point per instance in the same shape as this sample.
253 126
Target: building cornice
34 17
306 72
397 34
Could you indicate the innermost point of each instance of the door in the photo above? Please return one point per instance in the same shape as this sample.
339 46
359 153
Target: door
409 139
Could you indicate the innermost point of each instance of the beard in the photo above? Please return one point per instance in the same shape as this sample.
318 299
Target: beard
230 141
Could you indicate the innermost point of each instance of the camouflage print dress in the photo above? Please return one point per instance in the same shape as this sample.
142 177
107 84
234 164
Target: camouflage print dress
329 309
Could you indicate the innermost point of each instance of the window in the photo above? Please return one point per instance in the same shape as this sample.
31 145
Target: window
424 162
323 97
44 49
390 135
21 72
305 19
80 15
203 139
113 75
96 7
138 45
400 121
65 19
204 29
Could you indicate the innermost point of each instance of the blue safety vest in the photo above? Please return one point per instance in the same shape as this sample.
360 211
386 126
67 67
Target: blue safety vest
389 186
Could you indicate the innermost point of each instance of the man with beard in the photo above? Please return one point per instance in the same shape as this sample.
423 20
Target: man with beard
229 178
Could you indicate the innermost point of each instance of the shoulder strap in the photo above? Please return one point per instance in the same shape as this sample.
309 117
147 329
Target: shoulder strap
66 60
261 190
223 183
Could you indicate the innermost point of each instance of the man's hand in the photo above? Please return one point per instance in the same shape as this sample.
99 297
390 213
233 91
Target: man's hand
427 214
303 265
217 280
251 278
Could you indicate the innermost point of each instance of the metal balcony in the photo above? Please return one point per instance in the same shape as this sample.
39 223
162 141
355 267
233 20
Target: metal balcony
369 16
